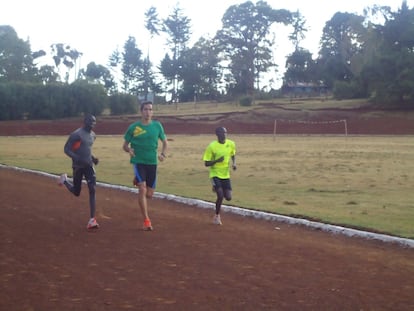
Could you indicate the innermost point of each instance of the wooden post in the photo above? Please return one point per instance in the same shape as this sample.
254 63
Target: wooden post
346 128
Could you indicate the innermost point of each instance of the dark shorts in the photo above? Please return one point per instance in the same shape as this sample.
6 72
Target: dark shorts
80 172
225 184
147 173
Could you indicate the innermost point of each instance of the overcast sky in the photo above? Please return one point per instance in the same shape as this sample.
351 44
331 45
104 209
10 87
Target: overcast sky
97 28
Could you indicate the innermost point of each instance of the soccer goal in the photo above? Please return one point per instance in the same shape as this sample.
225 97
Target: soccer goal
306 127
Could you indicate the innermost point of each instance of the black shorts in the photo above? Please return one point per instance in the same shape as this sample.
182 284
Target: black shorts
87 172
78 174
225 184
147 173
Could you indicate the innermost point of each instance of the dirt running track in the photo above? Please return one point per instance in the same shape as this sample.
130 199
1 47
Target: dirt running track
48 260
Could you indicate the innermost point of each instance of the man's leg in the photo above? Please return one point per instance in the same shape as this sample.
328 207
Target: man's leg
143 196
76 187
92 200
227 194
219 200
142 199
146 177
226 184
91 181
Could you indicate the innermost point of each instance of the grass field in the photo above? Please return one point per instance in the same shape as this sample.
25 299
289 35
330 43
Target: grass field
363 182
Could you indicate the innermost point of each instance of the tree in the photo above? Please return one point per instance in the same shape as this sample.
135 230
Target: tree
169 70
299 29
152 22
153 25
47 74
200 71
390 73
244 40
300 67
137 77
63 54
341 41
114 64
177 27
16 59
100 74
132 66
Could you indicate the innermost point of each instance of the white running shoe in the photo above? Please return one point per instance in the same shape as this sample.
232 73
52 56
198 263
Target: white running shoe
92 224
217 220
62 179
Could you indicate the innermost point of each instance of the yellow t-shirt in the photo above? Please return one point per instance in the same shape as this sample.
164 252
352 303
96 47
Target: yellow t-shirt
216 150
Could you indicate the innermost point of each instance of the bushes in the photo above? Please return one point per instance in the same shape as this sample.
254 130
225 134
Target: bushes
123 104
52 101
348 90
12 101
88 98
246 101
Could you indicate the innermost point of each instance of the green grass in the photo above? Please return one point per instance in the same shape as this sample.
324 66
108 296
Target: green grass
362 182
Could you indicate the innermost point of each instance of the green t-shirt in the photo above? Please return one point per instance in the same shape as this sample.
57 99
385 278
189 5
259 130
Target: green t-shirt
143 138
214 151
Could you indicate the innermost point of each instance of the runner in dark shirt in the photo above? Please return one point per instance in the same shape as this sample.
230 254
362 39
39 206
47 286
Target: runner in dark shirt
79 148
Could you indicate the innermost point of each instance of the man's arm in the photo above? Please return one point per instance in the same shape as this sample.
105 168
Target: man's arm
212 162
71 143
233 161
164 147
127 149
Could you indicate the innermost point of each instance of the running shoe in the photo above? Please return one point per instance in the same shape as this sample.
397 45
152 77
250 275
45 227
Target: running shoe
217 220
62 179
147 225
92 224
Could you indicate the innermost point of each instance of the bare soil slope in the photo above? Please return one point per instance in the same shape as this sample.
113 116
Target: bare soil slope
361 121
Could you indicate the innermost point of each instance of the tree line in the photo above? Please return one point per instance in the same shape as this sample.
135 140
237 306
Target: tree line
361 56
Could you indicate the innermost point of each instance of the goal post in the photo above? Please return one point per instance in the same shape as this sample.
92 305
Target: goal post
306 127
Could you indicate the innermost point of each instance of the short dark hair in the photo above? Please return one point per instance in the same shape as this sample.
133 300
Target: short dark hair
143 104
221 130
89 118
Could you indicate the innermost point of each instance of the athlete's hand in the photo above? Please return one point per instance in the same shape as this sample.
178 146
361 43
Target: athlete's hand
221 159
131 152
95 160
161 157
234 167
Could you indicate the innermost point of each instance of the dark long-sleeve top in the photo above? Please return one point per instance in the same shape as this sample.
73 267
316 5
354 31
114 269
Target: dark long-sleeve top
79 147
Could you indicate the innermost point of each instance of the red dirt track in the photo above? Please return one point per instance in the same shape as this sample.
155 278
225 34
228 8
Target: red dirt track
48 260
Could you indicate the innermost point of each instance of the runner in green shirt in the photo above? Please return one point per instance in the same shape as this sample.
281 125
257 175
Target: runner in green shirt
141 142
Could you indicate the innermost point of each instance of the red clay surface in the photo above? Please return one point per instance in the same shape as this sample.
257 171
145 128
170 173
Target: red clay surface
258 121
48 260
